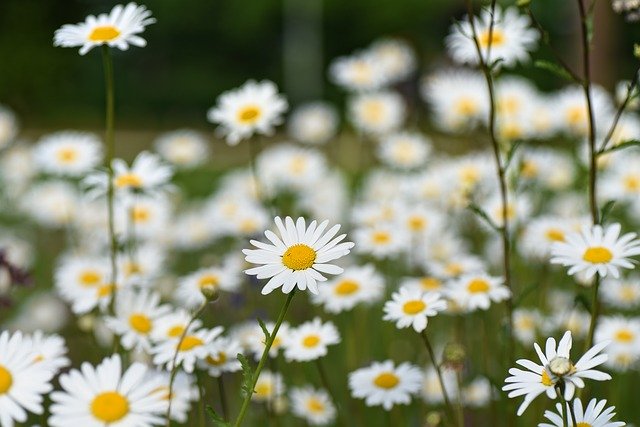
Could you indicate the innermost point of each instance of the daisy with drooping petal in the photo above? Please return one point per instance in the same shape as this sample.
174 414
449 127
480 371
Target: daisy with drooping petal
196 345
556 366
309 341
119 28
106 396
594 415
477 291
384 384
298 257
68 153
354 286
596 250
252 108
412 308
313 406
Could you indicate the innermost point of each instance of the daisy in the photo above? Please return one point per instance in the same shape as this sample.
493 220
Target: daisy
120 28
184 392
623 335
377 113
458 265
594 415
255 339
477 291
41 311
412 308
52 204
298 257
541 233
478 393
383 240
358 72
83 282
50 350
404 151
526 323
623 294
313 406
313 123
509 40
171 325
556 367
195 346
354 286
252 108
269 387
22 382
288 167
431 388
571 108
222 357
142 217
105 395
8 126
384 384
68 153
423 284
183 148
309 340
596 250
395 57
190 287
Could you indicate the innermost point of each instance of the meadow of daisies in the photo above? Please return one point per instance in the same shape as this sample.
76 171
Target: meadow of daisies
353 271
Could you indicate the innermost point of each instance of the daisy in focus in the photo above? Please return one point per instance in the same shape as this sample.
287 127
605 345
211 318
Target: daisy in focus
120 28
252 108
196 345
594 415
596 250
309 341
298 257
384 384
413 308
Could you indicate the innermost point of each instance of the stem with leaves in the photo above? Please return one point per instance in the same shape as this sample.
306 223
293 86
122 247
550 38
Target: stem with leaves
449 407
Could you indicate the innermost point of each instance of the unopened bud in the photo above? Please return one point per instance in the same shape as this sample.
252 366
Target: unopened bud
210 292
86 322
560 366
454 355
433 419
636 50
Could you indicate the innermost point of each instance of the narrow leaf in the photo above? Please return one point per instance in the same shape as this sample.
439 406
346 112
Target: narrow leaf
218 421
621 146
482 214
511 153
265 331
553 68
606 210
246 388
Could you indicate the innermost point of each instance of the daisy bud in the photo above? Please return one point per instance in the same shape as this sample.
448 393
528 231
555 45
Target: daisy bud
210 292
433 419
454 355
85 323
636 50
560 366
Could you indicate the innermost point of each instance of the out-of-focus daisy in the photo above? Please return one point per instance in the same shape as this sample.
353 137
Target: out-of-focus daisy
22 382
120 28
147 265
423 284
222 357
184 392
8 126
49 350
384 384
596 250
354 286
105 395
291 168
252 108
142 217
404 151
541 233
84 282
269 387
196 345
594 415
509 40
51 204
526 323
255 339
432 388
623 334
358 72
395 57
183 148
68 153
571 107
42 311
458 265
313 123
383 240
171 325
412 308
477 291
478 393
190 287
309 340
623 293
299 256
377 113
313 406
556 366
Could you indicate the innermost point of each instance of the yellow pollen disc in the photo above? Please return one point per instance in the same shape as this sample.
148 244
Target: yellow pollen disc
373 111
477 286
361 72
347 287
386 380
140 323
276 342
466 107
597 255
163 391
175 331
132 268
627 293
576 115
67 155
583 424
311 341
249 114
189 343
140 214
128 180
299 257
417 223
529 169
546 379
413 307
511 131
454 269
430 283
217 360
6 380
469 175
263 389
509 105
104 34
555 235
105 290
248 225
90 278
315 405
110 406
496 39
624 335
208 280
381 237
632 183
298 165
38 358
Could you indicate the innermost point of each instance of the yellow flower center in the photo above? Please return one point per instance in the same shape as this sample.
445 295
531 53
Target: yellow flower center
67 155
632 183
583 424
546 379
132 268
624 335
311 341
576 115
128 180
529 169
189 343
249 114
495 38
263 389
208 280
417 223
175 331
298 165
466 107
89 278
105 290
597 255
555 235
373 111
110 406
6 380
299 257
140 214
386 380
477 286
104 34
347 287
627 293
140 323
509 105
381 237
218 360
314 405
430 283
454 269
413 307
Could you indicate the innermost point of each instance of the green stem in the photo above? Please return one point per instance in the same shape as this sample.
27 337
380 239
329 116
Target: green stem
201 398
573 414
432 356
223 398
563 403
325 383
263 359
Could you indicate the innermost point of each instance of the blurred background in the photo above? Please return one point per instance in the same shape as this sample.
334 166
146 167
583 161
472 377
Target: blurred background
199 49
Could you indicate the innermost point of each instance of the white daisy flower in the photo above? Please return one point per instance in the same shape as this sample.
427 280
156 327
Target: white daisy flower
412 308
223 357
119 28
254 339
313 123
309 340
52 204
50 350
41 311
526 323
358 72
68 153
22 382
623 294
594 415
252 108
596 250
383 240
269 387
431 389
384 384
457 265
477 291
183 148
195 346
83 282
556 366
396 58
354 286
404 151
171 325
423 284
298 257
377 113
623 335
478 393
313 406
184 392
190 287
104 395
289 167
541 233
571 108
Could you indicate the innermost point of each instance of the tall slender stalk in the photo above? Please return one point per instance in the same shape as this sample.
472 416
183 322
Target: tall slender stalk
223 397
450 412
324 378
263 359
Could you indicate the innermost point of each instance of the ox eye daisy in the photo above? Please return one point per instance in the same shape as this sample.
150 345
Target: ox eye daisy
183 148
594 415
120 28
384 384
412 308
354 286
596 250
222 357
477 291
190 288
314 406
195 346
298 257
68 153
309 341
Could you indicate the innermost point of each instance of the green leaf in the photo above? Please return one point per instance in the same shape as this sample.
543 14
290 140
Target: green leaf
606 210
218 421
523 3
511 153
482 214
553 68
265 331
246 388
621 146
529 289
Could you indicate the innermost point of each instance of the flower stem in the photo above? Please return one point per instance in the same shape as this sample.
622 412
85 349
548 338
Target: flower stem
325 383
223 397
432 356
263 359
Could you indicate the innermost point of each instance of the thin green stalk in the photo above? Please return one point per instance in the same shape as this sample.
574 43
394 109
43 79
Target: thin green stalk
201 399
563 403
263 359
432 356
632 86
223 398
325 383
573 414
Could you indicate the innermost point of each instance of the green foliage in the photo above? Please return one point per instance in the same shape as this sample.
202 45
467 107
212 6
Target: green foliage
217 420
484 216
246 388
621 146
265 331
553 68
